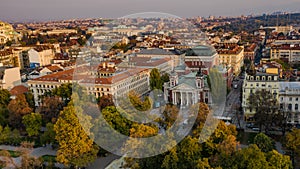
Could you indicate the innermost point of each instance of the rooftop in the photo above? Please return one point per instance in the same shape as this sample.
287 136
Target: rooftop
202 50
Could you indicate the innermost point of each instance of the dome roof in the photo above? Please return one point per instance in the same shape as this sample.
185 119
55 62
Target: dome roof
202 50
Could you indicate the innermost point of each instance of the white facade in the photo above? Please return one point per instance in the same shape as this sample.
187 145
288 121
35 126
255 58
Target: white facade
289 100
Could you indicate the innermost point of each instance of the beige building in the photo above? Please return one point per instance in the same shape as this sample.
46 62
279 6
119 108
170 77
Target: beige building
106 81
231 54
289 52
252 83
9 77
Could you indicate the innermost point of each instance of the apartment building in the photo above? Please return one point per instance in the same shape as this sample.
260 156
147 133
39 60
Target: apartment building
289 100
231 54
257 81
288 52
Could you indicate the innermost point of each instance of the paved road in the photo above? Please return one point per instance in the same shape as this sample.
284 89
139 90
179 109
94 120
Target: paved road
103 162
233 100
36 152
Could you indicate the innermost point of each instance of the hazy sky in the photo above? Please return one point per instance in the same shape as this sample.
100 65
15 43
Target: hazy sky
20 10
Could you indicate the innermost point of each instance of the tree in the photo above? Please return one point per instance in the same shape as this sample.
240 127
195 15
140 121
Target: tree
28 161
265 106
293 142
264 142
278 161
155 80
248 158
33 123
170 114
50 108
17 109
4 97
4 100
75 147
30 99
165 78
49 135
105 100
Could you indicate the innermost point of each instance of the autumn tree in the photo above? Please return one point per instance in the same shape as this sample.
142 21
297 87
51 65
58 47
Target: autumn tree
75 147
50 108
33 123
278 161
18 107
293 142
169 116
105 100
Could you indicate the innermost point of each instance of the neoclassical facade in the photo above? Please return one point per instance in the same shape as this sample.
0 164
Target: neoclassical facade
186 90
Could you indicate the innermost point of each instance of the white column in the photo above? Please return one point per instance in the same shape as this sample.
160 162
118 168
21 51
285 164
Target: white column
173 97
181 99
187 98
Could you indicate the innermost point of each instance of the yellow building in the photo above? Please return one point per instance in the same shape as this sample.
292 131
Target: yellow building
231 55
7 32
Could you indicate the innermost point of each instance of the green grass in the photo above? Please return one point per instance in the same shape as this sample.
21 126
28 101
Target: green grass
14 154
49 158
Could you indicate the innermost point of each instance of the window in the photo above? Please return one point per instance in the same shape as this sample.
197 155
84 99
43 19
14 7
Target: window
296 99
290 99
290 107
296 106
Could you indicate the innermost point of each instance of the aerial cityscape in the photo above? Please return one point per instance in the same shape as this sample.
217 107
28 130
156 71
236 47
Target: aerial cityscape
85 87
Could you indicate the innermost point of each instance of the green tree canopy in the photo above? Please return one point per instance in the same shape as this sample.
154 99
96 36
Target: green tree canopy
155 80
33 123
264 142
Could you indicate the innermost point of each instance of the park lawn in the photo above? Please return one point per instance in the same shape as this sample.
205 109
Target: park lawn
49 158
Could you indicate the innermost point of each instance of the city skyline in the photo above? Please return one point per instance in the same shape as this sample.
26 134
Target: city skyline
34 10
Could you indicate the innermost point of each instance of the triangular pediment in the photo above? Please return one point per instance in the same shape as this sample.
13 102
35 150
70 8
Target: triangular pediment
183 86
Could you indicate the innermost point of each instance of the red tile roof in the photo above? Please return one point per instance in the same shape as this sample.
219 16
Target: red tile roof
18 90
